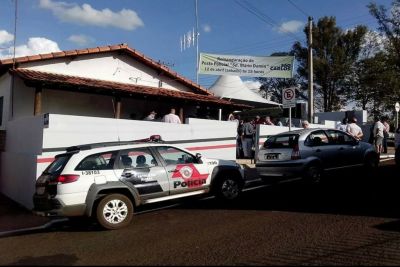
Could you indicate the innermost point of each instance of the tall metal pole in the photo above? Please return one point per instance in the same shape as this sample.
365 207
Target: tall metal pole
197 46
310 74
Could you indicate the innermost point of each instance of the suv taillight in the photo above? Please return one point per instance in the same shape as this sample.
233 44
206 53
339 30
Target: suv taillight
66 178
295 153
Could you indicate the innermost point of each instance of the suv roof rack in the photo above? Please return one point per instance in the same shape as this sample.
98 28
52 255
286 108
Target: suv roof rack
151 139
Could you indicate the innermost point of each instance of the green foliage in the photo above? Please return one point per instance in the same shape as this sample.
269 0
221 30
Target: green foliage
334 52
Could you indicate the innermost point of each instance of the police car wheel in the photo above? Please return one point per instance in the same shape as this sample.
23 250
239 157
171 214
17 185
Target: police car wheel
114 211
228 188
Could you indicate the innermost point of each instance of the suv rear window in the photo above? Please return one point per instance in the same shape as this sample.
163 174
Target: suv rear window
58 164
282 141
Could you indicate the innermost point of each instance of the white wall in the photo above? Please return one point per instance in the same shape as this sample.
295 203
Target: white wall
5 83
107 66
361 116
19 161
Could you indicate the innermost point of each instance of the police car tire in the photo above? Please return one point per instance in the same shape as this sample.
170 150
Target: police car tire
118 203
228 188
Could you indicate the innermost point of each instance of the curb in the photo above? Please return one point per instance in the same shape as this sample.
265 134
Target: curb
31 229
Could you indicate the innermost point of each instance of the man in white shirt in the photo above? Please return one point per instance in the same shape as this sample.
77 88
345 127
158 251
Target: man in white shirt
378 135
354 129
171 117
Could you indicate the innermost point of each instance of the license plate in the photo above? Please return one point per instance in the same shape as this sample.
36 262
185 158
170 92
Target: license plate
40 190
271 156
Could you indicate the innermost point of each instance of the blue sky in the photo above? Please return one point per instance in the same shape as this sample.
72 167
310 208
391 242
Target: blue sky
154 27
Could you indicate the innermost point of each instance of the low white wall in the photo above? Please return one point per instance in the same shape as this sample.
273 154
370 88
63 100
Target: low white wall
19 161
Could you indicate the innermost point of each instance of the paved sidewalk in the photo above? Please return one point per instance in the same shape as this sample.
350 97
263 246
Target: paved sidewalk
14 217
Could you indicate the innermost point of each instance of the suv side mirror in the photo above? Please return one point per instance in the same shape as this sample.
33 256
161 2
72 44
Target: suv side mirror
198 158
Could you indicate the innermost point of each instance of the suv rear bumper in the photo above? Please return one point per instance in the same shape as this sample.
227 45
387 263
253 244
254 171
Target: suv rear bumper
280 169
47 206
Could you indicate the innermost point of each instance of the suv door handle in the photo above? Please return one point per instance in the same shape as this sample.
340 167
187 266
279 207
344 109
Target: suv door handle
318 150
175 170
341 148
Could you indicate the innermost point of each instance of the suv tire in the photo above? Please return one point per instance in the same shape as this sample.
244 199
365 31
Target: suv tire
228 187
114 211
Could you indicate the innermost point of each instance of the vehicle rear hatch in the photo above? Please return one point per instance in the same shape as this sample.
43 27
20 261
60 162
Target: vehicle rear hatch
279 148
46 184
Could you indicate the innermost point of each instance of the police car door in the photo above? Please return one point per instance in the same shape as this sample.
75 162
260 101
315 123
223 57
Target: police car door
140 170
185 172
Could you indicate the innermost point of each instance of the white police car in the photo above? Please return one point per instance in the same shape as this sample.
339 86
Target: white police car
108 180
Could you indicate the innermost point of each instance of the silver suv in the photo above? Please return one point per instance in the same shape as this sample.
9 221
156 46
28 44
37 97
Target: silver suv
309 152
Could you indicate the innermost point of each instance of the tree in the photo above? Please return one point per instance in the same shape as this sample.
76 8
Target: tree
390 26
334 52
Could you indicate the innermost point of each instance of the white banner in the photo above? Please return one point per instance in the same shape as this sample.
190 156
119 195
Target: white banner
276 67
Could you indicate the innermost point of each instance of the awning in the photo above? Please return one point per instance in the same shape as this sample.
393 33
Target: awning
73 83
232 87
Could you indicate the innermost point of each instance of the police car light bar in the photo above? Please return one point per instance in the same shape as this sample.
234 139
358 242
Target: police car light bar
75 149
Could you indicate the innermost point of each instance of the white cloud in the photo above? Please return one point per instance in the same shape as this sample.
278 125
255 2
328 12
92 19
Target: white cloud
80 39
5 37
126 19
35 45
290 26
206 28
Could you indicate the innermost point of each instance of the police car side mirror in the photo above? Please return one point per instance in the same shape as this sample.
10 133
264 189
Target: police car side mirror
198 158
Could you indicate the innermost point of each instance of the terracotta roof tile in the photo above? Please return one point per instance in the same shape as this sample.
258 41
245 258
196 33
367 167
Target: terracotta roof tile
46 56
59 54
52 79
71 53
82 51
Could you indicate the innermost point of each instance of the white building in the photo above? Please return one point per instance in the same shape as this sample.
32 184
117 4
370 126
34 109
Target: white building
52 101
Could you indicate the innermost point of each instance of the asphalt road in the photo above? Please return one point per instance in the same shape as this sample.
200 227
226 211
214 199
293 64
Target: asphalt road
352 218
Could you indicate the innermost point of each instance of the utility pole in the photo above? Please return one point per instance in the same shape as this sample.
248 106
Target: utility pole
197 44
310 74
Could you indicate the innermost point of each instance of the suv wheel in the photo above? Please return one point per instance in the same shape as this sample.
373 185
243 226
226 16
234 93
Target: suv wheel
228 188
313 174
114 211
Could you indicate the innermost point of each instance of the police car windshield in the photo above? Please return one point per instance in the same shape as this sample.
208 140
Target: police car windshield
57 165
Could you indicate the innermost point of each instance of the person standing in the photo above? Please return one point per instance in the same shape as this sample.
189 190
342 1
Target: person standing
386 130
343 125
305 124
258 120
239 137
171 117
378 135
247 139
397 146
268 121
151 116
354 130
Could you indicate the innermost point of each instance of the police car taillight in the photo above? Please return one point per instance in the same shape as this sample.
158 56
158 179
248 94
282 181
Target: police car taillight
67 178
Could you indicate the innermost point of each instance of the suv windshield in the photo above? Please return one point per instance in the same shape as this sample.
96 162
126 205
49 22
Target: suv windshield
58 164
282 141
